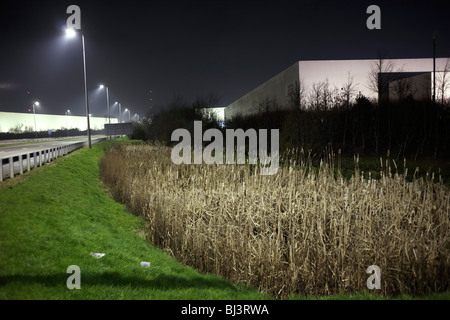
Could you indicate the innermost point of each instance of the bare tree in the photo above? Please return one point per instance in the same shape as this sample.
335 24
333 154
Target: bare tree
379 76
322 96
328 95
205 105
402 88
297 98
443 80
315 95
210 101
268 104
348 90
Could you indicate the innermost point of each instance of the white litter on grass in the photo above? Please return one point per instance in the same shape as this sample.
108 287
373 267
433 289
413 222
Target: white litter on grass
97 255
145 264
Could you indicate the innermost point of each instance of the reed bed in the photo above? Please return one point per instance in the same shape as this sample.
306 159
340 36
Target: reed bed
301 231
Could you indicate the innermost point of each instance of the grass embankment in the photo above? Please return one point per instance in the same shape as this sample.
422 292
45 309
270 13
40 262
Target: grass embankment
55 216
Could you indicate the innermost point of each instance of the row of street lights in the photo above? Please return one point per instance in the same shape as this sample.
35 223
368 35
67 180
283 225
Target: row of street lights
67 112
72 33
108 106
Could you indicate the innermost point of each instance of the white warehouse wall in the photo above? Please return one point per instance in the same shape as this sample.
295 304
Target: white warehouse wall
219 112
337 72
45 122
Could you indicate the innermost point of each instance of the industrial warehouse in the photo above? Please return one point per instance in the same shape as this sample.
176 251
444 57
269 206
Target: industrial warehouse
28 122
373 78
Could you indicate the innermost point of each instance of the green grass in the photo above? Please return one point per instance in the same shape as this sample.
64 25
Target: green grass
54 216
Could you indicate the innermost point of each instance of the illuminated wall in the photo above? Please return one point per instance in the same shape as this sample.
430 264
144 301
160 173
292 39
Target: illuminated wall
336 72
44 122
275 88
218 112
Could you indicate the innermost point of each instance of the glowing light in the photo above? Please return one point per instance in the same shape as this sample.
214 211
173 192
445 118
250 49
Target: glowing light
70 33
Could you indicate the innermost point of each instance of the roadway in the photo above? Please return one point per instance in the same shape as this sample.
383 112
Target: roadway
15 148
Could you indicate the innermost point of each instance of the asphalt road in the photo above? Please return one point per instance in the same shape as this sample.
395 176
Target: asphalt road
29 148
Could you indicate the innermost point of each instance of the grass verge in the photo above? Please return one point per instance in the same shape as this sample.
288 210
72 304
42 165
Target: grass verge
53 218
55 215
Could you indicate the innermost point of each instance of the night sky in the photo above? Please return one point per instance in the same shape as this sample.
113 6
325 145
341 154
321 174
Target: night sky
192 48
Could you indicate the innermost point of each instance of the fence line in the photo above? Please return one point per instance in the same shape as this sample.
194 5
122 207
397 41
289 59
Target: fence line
40 157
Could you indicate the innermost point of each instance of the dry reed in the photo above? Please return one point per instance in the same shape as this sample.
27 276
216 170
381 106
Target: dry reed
300 231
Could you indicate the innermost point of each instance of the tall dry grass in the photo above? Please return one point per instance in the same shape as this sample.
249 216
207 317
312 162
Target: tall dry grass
299 231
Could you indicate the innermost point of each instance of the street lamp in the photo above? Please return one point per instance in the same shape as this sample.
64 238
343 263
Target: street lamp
129 114
434 66
67 123
107 101
120 113
107 104
34 113
72 33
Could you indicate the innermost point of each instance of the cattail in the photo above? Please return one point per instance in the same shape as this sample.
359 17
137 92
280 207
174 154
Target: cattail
300 231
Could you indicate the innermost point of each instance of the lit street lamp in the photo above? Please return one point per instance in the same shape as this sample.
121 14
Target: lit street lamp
34 113
67 123
120 112
129 114
107 101
72 33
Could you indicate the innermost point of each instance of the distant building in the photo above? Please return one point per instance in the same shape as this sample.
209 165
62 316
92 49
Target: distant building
218 113
24 122
398 78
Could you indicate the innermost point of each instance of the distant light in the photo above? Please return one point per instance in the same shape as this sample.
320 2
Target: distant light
102 86
70 33
36 103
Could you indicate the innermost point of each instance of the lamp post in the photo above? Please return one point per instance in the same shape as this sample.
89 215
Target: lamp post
129 114
67 122
120 113
72 33
434 68
107 101
34 114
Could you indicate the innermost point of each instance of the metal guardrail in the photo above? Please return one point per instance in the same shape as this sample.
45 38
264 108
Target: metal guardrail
28 160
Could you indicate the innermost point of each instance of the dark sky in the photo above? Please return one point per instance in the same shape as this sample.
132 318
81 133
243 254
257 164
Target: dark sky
192 48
